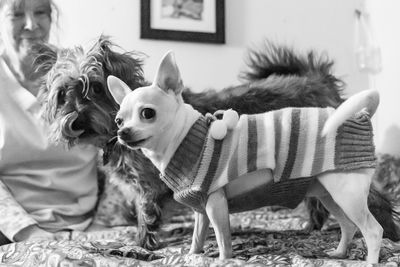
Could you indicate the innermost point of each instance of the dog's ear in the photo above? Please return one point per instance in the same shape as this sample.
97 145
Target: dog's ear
168 76
46 57
118 88
125 65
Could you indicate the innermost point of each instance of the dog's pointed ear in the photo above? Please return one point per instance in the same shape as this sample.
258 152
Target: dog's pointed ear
118 88
168 76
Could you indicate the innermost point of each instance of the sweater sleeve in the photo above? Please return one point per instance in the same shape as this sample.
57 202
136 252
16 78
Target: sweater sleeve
13 217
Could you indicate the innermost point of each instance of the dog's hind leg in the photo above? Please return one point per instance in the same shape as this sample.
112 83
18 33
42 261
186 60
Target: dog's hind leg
347 227
350 191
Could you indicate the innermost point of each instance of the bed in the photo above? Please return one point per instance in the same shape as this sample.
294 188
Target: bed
263 237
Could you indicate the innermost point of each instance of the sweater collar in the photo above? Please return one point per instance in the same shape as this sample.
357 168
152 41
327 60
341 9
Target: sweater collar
186 158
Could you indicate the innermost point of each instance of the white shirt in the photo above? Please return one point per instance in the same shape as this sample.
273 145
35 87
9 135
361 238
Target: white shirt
56 187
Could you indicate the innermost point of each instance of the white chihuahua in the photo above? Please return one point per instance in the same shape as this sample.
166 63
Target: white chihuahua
271 158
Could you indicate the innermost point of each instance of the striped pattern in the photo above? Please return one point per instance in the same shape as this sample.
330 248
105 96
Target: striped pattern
287 141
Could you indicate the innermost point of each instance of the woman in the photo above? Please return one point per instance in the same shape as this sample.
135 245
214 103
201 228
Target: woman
43 187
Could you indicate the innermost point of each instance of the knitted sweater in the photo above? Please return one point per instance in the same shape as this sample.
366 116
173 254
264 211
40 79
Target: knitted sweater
286 141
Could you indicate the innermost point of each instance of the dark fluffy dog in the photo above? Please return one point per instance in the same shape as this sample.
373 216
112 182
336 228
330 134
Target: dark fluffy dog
80 109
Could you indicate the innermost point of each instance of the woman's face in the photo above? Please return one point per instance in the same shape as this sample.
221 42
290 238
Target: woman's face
23 23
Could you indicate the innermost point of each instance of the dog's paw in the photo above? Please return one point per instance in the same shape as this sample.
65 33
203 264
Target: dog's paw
148 241
195 249
336 254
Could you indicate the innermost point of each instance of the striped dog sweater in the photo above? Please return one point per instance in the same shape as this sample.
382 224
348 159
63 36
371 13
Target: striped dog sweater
286 141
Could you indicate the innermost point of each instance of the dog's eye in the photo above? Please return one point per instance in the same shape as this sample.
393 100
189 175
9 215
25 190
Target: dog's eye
97 88
148 113
118 121
61 97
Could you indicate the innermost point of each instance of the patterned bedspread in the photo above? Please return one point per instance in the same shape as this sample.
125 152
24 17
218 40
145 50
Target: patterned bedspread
260 238
263 237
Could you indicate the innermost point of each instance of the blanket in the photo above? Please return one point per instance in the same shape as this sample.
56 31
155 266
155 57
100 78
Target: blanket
263 237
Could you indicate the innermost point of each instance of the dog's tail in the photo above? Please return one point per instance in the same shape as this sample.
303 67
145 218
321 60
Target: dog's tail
367 100
276 77
271 59
380 204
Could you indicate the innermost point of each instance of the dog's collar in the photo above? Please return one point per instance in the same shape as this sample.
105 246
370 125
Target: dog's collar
189 151
181 171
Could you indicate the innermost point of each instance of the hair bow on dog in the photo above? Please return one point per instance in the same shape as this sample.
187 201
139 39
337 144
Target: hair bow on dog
219 128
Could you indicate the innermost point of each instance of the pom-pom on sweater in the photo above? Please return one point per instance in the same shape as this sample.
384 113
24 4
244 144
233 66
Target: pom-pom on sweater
286 141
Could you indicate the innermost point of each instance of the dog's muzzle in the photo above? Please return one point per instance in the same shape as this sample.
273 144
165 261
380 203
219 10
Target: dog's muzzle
124 134
67 125
126 137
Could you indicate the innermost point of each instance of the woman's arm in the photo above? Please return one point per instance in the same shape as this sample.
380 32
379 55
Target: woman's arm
13 218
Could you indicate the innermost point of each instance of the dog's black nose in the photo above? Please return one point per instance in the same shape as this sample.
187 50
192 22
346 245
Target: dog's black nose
124 133
79 124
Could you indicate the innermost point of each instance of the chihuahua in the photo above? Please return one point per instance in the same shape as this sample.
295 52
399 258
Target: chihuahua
235 164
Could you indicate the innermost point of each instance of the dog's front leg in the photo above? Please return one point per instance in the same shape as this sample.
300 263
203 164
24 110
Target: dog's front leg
201 223
218 214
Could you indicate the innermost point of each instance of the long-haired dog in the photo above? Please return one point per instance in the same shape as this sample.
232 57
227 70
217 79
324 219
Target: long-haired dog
80 109
217 167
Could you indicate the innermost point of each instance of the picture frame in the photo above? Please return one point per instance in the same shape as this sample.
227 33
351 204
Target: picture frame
183 20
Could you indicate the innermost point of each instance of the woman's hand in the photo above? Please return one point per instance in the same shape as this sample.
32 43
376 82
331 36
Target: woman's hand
33 232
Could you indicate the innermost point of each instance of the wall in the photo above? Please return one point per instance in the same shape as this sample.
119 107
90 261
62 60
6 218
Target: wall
386 21
324 25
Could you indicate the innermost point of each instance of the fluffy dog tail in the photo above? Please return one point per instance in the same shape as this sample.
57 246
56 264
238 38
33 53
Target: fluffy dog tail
271 59
381 206
276 77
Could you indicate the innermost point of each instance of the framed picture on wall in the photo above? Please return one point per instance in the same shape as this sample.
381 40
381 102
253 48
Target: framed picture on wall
183 20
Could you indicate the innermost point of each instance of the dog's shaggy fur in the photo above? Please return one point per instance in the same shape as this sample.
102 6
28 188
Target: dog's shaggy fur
80 109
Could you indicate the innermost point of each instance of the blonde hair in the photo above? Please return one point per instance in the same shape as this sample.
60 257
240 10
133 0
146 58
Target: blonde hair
54 11
54 15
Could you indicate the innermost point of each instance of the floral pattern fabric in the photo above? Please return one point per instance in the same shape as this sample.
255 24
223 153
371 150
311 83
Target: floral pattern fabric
263 237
